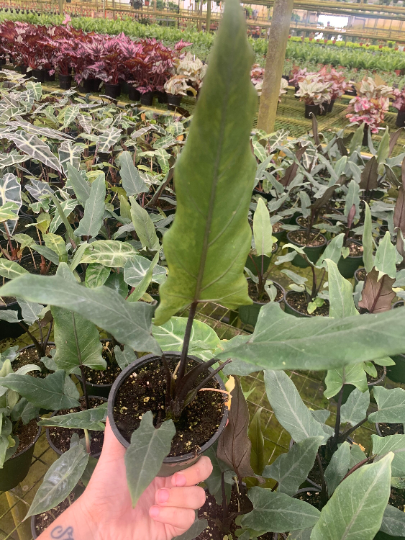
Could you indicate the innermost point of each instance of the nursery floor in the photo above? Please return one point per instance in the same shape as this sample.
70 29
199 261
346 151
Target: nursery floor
14 504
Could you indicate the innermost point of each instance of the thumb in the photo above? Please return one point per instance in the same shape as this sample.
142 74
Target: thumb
112 448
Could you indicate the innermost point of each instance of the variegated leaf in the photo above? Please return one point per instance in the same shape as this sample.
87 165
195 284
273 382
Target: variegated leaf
10 192
10 269
69 115
108 138
67 206
6 160
111 253
85 122
38 189
36 89
69 154
36 149
38 130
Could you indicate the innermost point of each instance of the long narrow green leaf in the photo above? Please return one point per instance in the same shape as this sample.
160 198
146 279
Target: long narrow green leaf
93 209
207 246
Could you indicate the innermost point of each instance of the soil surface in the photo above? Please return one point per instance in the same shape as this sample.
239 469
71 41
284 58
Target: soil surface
299 301
153 289
304 222
44 520
380 373
108 375
144 390
265 298
361 274
277 227
355 249
391 429
30 356
60 437
26 435
215 517
314 239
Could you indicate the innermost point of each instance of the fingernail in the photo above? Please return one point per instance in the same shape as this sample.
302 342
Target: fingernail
154 511
179 480
163 495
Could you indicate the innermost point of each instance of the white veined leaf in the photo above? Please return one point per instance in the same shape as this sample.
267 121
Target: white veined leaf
108 138
69 154
35 148
10 192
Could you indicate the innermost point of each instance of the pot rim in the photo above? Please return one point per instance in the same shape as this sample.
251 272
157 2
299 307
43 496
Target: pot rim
306 247
128 371
286 293
265 303
55 448
28 447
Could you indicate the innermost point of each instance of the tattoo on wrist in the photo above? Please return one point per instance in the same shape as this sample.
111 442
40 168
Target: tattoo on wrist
59 533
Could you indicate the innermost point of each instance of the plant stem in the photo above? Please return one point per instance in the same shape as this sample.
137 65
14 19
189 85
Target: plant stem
186 342
358 465
86 436
324 492
337 423
81 366
344 436
34 340
224 501
47 336
313 292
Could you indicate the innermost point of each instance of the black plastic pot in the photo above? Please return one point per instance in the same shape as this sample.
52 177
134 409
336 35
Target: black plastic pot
112 90
87 85
11 330
48 77
267 196
356 275
147 98
330 105
16 469
133 93
124 86
22 69
173 101
39 75
95 85
249 314
54 448
290 309
170 464
311 110
313 253
162 97
324 108
65 81
365 136
102 390
400 120
348 266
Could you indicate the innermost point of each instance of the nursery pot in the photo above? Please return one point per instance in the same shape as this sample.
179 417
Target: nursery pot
249 314
290 309
87 85
39 75
330 105
311 110
11 330
95 85
16 468
357 277
173 101
54 448
112 90
48 77
267 196
170 464
147 98
102 390
313 253
133 93
162 97
400 121
324 109
258 261
365 136
65 81
348 266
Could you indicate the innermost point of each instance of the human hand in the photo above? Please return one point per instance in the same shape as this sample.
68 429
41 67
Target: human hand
165 510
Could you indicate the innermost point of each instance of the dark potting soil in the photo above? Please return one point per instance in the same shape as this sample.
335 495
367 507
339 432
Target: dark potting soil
61 436
108 375
214 515
304 222
391 429
380 373
30 356
254 295
31 264
44 520
361 274
144 390
314 239
299 301
355 249
26 435
277 227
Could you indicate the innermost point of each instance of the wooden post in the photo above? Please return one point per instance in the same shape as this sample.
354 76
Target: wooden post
208 16
280 27
60 2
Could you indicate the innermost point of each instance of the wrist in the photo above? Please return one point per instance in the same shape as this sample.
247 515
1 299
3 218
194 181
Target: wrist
76 523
